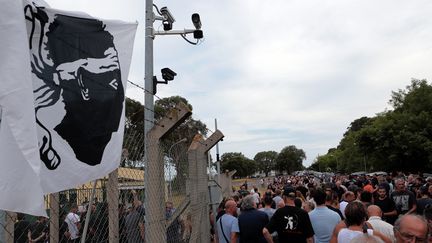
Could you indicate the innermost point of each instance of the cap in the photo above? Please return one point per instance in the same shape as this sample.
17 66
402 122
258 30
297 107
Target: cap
289 192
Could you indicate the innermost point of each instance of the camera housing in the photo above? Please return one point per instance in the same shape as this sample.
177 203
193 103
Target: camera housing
167 25
196 21
167 15
198 34
168 74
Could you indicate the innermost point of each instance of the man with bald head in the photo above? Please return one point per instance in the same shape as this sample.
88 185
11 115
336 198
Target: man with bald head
227 225
410 228
375 214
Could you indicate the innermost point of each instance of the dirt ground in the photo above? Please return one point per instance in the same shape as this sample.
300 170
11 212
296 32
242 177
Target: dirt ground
251 183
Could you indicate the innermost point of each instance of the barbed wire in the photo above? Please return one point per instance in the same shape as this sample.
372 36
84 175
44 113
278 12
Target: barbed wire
142 88
209 130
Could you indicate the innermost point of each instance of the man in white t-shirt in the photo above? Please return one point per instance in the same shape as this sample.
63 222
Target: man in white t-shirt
255 195
73 222
375 214
347 198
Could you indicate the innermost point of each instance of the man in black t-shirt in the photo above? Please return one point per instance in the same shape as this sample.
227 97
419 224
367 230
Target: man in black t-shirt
291 223
21 229
424 200
251 222
386 204
38 231
404 199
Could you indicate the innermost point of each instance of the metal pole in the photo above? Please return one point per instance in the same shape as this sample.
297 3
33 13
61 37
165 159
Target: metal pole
148 68
148 75
217 152
148 101
87 220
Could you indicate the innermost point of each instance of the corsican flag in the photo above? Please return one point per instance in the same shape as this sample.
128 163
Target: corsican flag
79 67
20 187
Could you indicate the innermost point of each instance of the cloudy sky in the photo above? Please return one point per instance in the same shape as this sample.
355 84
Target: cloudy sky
282 72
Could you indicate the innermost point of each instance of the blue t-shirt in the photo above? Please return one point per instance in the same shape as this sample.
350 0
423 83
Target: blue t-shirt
268 211
323 221
229 225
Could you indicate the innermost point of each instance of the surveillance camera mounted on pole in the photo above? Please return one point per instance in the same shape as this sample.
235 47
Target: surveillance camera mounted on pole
198 34
196 21
168 19
167 75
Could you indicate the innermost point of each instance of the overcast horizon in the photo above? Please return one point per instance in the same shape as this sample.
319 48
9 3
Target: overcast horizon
290 73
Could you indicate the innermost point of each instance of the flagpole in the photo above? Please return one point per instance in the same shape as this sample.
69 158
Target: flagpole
87 220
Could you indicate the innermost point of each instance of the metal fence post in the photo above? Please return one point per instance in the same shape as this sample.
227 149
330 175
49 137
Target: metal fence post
225 182
10 221
54 216
113 214
199 197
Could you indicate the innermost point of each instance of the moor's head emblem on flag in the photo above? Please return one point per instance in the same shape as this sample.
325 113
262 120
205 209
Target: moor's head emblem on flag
78 79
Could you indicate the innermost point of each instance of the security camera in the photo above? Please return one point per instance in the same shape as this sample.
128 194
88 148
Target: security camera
198 34
168 74
196 21
167 15
167 25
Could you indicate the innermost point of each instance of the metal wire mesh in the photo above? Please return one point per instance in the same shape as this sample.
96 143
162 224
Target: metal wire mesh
117 213
176 169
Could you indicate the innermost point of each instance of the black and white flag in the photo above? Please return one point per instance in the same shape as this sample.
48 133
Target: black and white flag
79 68
20 186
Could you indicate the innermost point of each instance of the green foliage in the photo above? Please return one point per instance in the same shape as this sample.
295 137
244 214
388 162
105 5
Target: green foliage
290 159
134 114
400 139
134 129
188 129
162 106
266 161
238 162
417 98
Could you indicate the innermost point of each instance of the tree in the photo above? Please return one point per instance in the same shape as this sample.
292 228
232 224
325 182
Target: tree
398 139
358 124
188 129
290 159
238 162
415 99
133 140
266 161
134 130
401 139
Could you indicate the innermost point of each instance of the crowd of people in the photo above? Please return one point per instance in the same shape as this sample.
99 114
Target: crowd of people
341 208
131 224
297 208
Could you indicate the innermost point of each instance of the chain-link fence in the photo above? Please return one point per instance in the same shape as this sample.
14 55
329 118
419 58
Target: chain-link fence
176 199
118 212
